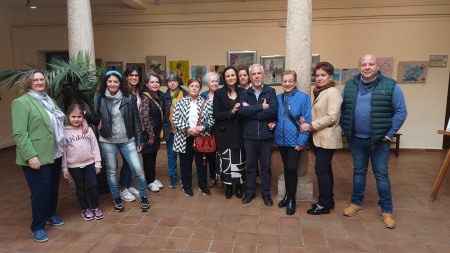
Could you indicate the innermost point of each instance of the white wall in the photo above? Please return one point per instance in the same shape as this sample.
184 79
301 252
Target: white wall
203 33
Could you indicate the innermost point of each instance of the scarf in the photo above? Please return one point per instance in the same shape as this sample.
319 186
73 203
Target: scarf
317 90
116 98
174 96
56 120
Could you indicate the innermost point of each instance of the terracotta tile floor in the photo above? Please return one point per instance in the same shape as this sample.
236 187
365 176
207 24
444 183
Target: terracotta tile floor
177 223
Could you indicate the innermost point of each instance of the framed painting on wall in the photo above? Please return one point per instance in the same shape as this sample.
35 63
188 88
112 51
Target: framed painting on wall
337 76
386 66
198 72
141 68
273 67
315 58
114 65
219 70
412 72
157 64
241 58
347 74
438 61
181 67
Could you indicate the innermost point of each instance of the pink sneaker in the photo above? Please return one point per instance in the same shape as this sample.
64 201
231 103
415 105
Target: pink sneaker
98 215
87 214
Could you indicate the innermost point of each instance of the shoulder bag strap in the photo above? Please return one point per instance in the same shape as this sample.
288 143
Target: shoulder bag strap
154 101
201 112
291 118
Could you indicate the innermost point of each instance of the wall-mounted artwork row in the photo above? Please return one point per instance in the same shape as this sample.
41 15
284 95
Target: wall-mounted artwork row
412 72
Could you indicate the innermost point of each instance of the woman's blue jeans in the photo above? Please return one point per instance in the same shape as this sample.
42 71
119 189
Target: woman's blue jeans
130 154
362 149
171 157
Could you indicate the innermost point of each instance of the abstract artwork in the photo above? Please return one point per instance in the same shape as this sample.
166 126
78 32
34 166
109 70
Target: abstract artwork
157 64
241 58
336 76
181 67
412 72
219 70
198 72
438 61
347 74
386 66
273 67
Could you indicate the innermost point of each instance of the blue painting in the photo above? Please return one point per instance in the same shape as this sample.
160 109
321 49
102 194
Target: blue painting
198 72
412 72
337 76
347 74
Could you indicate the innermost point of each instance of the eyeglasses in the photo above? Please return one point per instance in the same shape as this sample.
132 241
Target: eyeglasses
39 80
288 81
172 81
133 75
154 82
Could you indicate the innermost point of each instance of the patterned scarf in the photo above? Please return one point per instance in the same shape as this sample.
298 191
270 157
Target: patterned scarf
317 90
174 96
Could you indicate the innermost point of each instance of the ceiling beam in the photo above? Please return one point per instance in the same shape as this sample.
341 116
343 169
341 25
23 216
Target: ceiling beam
135 4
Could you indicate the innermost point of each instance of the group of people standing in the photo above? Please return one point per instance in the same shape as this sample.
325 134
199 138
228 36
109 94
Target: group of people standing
246 118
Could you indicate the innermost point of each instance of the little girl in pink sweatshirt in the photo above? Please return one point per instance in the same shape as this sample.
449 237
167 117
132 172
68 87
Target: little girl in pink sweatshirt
83 161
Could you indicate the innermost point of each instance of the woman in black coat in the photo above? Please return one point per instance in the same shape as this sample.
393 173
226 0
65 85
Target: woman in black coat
228 132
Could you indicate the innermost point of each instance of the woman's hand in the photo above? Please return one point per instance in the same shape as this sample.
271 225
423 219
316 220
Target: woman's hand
84 127
34 163
298 148
304 127
194 131
272 126
66 174
97 170
235 108
139 149
151 141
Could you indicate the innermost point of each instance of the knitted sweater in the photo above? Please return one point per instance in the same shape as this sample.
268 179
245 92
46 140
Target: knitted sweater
80 149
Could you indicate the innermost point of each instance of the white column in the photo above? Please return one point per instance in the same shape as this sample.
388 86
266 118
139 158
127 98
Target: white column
79 24
298 58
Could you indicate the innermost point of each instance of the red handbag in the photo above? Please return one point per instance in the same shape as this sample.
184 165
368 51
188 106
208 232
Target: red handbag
204 144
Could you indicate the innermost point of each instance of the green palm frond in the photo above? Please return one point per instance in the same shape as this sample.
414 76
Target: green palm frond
76 80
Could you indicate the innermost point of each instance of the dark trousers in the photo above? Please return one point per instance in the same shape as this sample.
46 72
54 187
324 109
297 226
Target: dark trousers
258 150
324 173
186 165
149 166
211 160
290 158
81 177
43 184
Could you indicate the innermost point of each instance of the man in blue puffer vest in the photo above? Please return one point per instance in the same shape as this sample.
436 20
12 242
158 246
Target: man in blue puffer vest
258 107
373 110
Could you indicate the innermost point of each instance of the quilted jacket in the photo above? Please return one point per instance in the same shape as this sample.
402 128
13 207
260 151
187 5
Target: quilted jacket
286 134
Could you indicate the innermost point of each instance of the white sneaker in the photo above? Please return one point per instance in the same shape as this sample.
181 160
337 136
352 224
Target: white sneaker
133 191
158 183
153 187
127 196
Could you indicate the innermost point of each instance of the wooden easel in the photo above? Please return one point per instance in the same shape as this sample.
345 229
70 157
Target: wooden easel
441 175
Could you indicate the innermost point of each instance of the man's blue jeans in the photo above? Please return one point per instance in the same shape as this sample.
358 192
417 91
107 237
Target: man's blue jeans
362 150
171 157
130 154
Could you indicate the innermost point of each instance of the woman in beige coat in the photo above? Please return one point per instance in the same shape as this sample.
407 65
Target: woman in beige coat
327 137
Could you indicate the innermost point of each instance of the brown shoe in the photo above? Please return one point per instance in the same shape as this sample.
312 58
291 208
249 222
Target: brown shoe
219 183
353 210
212 183
388 220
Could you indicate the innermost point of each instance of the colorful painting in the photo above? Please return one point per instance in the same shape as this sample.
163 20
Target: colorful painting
386 66
438 61
412 72
273 67
347 74
198 72
157 64
219 70
181 67
241 58
337 76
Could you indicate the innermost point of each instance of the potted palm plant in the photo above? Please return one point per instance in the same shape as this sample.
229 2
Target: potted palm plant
73 81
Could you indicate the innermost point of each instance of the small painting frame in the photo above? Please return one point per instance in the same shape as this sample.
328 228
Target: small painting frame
141 67
315 58
274 66
244 58
438 61
114 65
157 64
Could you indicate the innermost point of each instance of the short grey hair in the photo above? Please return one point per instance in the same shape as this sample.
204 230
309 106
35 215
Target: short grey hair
255 65
208 75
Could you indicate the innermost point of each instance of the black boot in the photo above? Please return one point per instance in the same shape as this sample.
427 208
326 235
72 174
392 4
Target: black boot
229 191
239 191
291 205
283 202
